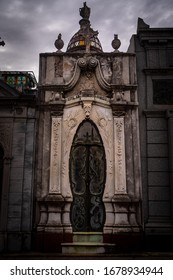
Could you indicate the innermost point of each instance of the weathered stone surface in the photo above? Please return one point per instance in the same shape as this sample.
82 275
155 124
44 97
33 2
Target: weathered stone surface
15 198
152 52
17 185
159 193
159 208
157 124
157 150
14 242
158 164
157 137
14 223
16 173
158 178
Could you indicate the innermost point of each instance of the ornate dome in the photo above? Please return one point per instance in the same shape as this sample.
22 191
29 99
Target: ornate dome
85 40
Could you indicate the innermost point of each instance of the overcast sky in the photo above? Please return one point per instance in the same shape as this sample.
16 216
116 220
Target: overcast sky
30 27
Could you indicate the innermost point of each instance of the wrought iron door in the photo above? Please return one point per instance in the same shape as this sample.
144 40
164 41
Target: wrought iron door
87 178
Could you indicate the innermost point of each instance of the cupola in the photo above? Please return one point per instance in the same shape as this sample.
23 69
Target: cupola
85 40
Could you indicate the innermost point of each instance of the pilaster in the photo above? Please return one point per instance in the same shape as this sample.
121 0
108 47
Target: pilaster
55 159
170 141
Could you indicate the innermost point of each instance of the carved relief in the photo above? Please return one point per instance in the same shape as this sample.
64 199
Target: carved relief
119 125
55 156
118 96
120 174
106 69
101 80
102 122
58 65
103 119
87 106
55 96
92 62
82 62
72 118
87 64
69 68
117 70
88 81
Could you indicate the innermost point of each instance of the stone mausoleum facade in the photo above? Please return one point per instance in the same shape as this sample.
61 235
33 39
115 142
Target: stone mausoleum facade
86 157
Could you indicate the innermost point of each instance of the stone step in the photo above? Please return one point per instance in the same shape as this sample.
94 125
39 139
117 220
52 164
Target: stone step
86 248
88 237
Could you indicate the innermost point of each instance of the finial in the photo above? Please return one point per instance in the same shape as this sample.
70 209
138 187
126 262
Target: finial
2 43
85 11
116 43
59 43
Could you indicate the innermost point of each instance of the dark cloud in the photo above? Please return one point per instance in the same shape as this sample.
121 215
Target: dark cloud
30 27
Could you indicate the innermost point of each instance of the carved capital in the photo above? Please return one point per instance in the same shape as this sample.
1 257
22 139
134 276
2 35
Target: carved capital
54 198
118 114
122 198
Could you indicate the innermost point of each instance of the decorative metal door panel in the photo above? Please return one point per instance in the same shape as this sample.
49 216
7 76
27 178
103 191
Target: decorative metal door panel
87 177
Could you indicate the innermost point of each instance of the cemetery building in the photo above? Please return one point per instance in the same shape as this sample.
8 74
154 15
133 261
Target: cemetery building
86 155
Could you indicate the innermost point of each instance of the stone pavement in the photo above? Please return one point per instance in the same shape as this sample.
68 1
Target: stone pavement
117 256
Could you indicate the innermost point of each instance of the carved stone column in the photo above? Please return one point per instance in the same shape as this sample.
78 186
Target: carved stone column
120 199
55 200
55 159
120 167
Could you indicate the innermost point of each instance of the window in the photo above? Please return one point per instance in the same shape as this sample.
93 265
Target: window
163 91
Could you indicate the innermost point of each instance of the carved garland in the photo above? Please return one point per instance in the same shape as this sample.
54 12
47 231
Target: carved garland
120 156
119 125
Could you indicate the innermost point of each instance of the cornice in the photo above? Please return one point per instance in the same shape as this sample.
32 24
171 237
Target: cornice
158 70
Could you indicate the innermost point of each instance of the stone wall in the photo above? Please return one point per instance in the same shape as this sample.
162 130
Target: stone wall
17 138
154 74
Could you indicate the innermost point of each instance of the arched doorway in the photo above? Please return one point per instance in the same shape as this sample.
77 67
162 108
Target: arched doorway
87 179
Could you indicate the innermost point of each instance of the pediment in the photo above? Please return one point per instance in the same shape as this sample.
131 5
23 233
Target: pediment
7 92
